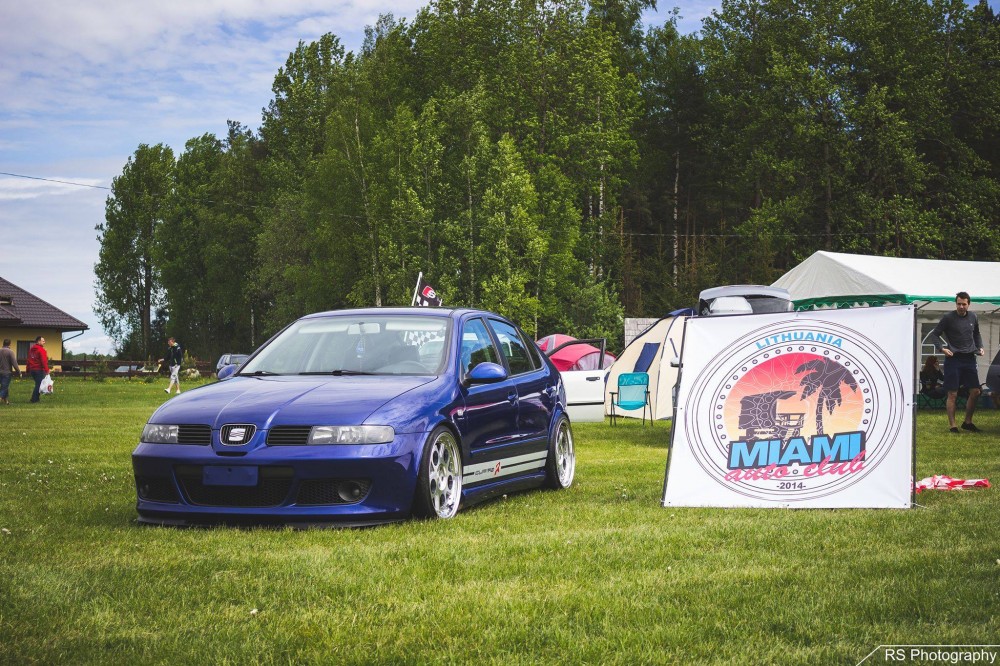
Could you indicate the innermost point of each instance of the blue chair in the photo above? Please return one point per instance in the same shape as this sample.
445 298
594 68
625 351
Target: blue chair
632 393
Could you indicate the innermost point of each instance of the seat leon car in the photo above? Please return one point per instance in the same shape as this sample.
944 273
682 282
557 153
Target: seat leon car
358 417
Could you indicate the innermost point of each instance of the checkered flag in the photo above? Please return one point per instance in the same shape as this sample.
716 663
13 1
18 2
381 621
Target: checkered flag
419 338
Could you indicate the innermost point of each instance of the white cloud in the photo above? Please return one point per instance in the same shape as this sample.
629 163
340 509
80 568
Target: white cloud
83 55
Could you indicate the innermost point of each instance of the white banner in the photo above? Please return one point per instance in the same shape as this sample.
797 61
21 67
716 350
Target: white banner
799 409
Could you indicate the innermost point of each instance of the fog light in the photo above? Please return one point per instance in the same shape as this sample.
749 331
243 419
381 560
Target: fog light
350 491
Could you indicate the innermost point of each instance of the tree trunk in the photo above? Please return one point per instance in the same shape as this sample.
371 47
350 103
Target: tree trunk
372 225
677 182
472 240
829 197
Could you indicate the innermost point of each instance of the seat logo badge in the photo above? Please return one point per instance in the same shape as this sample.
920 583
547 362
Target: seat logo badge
237 435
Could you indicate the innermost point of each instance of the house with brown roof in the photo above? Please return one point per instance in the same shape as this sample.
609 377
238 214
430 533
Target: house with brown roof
24 316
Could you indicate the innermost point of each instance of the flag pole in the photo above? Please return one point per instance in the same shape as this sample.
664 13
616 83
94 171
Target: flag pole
413 301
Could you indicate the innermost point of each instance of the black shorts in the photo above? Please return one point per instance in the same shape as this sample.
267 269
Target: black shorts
960 370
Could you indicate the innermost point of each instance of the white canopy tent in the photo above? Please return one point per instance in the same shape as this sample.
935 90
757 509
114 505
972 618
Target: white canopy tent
832 279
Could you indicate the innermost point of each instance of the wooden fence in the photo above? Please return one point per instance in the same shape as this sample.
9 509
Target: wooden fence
85 367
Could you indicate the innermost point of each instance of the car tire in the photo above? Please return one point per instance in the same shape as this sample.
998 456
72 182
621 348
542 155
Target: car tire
560 467
439 483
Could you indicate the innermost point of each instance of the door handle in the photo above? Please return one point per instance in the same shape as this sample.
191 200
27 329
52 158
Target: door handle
593 379
512 397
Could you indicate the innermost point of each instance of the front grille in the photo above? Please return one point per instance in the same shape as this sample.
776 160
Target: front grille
156 489
320 492
273 486
288 436
194 434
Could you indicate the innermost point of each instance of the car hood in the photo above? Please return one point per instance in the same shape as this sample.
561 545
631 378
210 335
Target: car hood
272 401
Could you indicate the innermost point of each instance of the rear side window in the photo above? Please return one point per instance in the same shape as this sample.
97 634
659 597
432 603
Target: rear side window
477 346
514 348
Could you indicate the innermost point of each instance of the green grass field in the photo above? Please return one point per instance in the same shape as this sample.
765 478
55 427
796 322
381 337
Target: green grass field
596 574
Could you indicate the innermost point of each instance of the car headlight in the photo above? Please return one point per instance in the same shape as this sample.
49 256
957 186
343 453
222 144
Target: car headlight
363 434
155 433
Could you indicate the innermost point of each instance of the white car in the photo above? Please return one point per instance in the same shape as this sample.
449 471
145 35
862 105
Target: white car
584 366
231 359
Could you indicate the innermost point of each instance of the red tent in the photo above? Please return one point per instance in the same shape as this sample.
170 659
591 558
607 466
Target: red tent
574 357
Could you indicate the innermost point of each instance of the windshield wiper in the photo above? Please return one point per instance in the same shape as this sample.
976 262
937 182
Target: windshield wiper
338 373
258 373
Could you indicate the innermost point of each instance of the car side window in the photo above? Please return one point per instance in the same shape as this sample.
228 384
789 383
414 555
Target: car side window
477 346
514 348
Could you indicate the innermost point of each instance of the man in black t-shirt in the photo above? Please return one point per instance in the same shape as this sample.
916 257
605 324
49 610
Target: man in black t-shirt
957 337
173 361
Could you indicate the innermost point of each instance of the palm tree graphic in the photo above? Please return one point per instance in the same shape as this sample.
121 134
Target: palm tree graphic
825 376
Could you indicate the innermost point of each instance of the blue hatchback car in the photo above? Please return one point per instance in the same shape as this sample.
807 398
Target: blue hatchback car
358 417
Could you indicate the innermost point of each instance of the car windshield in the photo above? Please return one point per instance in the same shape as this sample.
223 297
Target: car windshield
355 345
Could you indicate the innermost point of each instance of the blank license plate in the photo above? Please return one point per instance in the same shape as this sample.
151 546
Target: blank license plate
240 475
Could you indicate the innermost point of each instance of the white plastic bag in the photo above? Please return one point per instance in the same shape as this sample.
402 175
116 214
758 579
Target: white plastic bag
46 387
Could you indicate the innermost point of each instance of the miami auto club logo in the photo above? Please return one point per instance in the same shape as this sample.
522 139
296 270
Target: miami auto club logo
794 411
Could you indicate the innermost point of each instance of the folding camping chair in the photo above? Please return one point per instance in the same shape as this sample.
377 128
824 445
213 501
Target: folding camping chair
632 393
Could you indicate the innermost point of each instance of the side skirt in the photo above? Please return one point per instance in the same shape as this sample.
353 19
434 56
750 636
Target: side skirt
489 491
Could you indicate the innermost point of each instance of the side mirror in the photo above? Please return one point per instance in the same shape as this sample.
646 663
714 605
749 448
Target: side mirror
226 371
486 373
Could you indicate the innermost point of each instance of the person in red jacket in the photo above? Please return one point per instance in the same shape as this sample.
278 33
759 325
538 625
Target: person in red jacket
38 364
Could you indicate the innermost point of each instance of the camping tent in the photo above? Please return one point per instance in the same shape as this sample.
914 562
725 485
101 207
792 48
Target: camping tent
574 357
832 279
652 351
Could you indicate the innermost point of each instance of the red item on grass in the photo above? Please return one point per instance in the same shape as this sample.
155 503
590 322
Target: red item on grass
941 482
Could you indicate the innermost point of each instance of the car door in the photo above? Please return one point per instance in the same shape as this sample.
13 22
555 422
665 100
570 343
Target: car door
585 390
488 423
536 385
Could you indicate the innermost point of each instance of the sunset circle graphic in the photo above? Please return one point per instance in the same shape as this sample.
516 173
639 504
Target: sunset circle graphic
787 381
779 374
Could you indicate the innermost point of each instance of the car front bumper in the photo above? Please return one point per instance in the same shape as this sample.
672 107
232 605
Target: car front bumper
285 485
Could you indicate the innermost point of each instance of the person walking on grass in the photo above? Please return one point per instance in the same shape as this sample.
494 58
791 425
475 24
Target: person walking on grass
38 365
957 337
173 360
8 366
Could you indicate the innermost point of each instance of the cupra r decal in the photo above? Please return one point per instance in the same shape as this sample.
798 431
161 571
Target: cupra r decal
503 467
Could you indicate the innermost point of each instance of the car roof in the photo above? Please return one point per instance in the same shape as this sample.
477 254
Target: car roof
444 312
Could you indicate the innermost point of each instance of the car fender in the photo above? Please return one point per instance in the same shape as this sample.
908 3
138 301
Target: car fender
432 425
558 412
440 404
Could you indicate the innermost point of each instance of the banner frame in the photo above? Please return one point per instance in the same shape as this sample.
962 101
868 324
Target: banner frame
913 409
673 419
911 360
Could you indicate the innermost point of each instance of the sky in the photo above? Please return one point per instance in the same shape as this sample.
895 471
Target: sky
82 84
